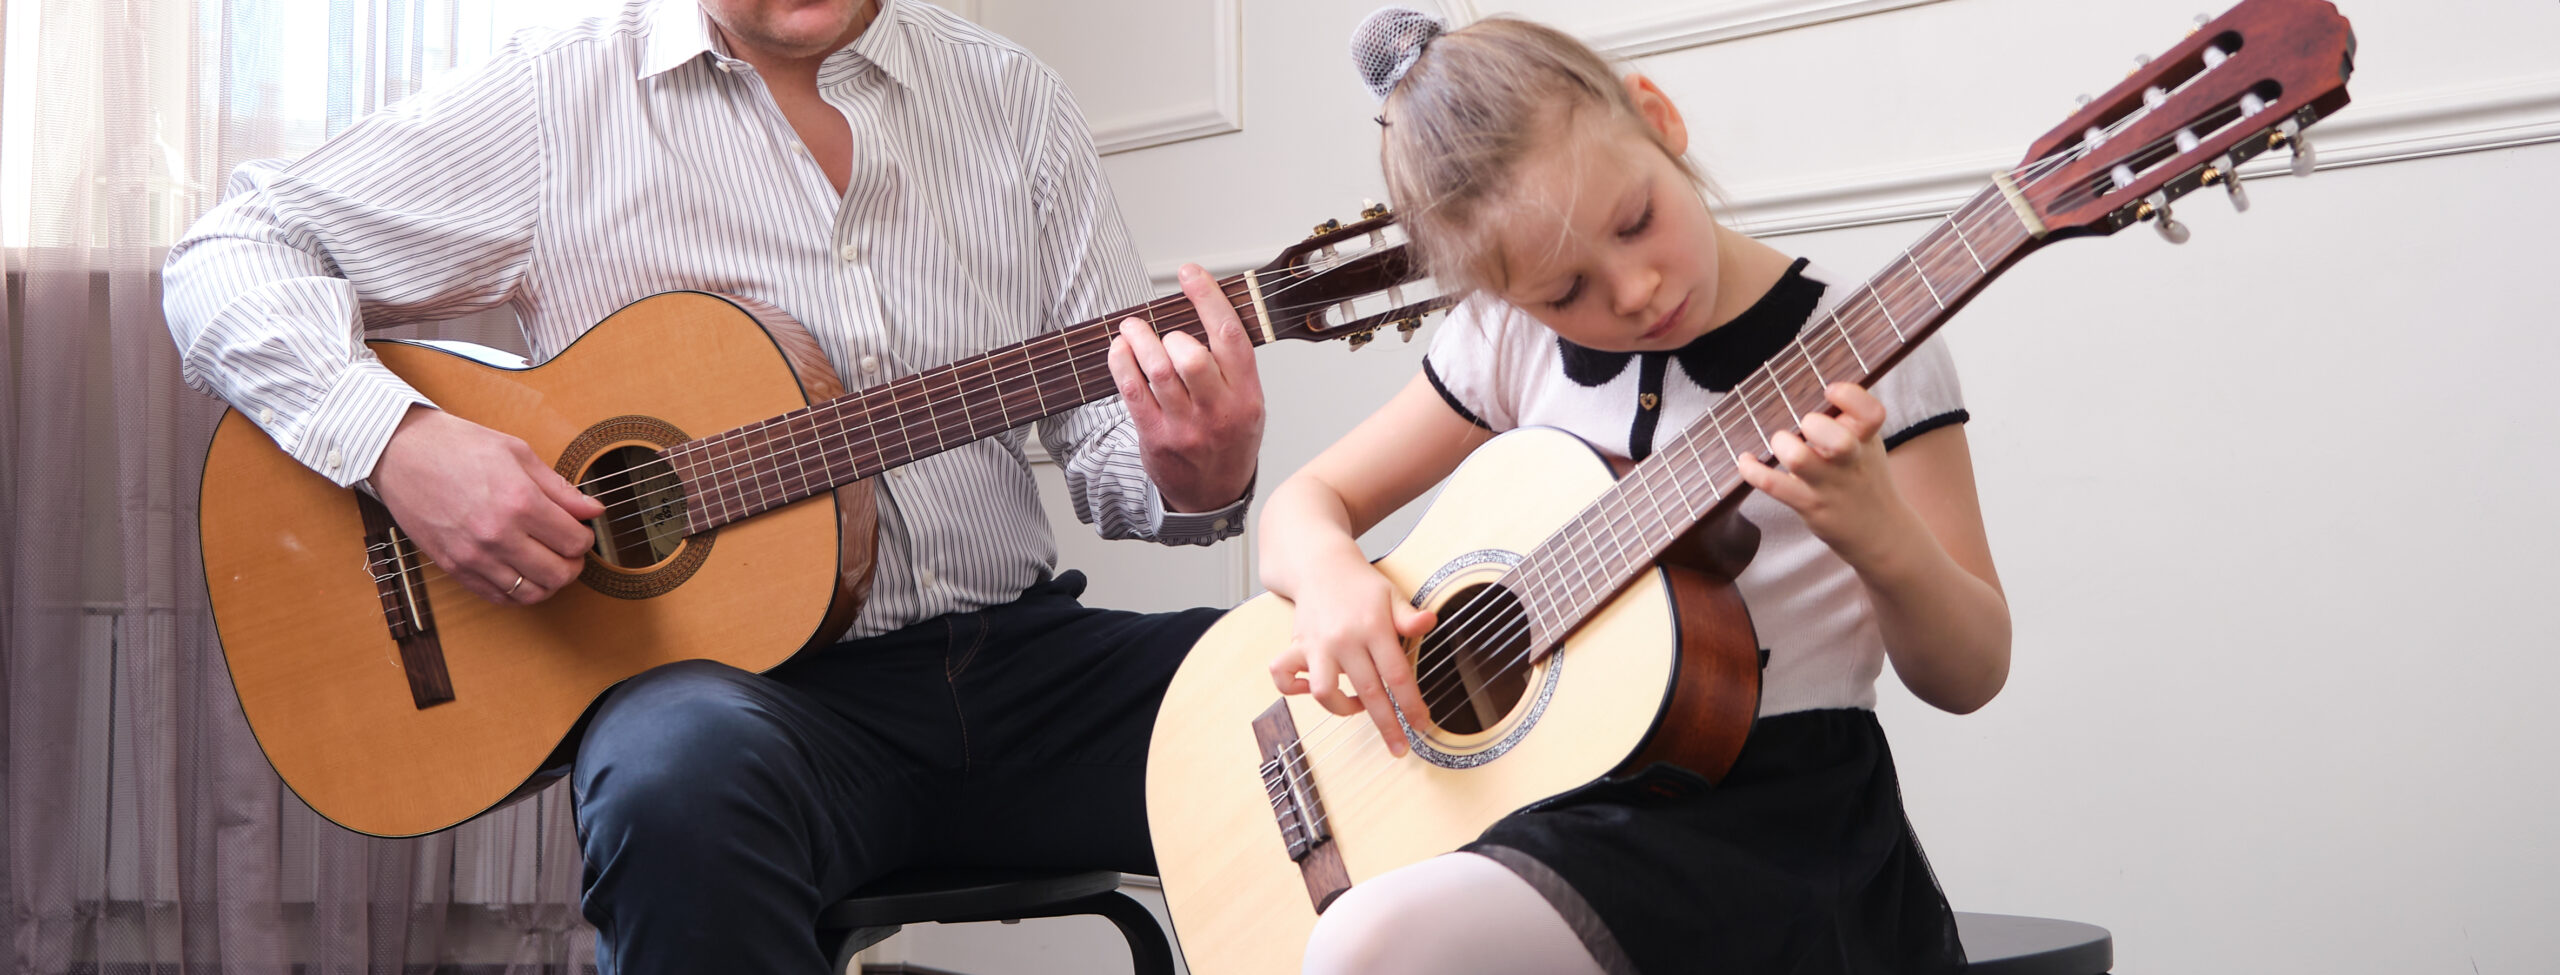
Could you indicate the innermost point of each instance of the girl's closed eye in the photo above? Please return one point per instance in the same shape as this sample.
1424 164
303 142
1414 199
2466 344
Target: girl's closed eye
1643 221
1571 291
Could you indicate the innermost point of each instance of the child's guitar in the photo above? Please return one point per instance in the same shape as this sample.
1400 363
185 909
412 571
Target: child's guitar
1587 622
737 527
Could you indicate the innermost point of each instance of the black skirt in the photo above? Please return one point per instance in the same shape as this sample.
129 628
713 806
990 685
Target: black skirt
1800 862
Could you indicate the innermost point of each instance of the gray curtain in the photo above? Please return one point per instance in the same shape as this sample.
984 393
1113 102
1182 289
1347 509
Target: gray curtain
142 831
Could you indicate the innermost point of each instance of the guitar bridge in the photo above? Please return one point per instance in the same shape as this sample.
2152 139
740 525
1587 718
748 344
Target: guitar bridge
399 578
1299 812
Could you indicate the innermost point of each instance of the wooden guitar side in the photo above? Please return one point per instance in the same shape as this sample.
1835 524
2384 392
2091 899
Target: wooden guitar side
1238 903
305 637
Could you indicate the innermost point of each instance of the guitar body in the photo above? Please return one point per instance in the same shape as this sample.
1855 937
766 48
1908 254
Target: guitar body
328 688
1667 670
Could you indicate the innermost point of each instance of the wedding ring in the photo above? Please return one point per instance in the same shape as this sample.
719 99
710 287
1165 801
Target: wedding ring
511 590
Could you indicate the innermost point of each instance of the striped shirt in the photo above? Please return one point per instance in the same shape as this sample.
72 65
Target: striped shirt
586 167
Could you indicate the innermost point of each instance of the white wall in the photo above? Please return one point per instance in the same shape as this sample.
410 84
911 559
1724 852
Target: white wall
2271 508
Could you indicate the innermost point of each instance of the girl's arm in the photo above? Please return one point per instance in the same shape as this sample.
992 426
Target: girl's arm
1910 524
1348 620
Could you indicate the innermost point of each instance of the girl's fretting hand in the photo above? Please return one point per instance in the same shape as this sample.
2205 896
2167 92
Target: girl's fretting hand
1352 624
1836 477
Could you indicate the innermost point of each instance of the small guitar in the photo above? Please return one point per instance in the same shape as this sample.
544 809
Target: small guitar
738 524
1587 620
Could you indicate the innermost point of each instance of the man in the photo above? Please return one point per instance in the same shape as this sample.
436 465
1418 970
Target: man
915 190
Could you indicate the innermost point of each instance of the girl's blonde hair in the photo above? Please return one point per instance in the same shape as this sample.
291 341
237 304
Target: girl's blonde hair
1474 103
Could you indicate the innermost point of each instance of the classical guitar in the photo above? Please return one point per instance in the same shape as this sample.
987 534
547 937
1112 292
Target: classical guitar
739 525
1587 621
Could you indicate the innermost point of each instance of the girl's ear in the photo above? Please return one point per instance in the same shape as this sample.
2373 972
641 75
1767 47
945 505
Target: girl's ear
1658 113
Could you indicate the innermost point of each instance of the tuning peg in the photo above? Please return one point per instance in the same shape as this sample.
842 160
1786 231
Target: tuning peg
2227 173
1326 227
2157 208
1372 209
1359 339
1407 327
2304 160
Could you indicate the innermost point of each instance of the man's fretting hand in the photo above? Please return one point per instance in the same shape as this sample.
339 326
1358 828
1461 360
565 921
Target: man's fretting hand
1198 407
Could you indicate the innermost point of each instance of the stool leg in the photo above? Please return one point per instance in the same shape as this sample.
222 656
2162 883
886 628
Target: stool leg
853 943
1150 945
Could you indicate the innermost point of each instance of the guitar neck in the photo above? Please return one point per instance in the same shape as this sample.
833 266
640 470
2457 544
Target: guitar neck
755 468
1697 473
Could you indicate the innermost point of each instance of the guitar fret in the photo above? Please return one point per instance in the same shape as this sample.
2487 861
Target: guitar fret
1923 275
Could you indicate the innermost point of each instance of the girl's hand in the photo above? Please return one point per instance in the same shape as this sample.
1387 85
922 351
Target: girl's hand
1835 476
1352 625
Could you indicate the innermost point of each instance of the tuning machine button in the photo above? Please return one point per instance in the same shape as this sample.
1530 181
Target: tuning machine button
1326 227
2228 172
2304 159
2157 209
1372 209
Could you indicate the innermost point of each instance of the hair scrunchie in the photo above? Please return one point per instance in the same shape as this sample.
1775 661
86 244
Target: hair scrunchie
1385 46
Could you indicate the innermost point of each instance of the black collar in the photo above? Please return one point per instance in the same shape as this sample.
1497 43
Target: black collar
1720 358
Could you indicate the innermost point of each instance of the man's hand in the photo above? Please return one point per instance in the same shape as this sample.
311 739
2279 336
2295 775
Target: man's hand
1198 408
482 506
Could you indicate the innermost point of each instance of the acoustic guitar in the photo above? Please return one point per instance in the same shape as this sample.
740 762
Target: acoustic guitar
1588 625
739 524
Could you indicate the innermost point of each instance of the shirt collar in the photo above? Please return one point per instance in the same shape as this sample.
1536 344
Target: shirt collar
680 32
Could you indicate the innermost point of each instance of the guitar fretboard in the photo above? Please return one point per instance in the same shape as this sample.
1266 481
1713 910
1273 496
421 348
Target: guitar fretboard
756 468
1695 473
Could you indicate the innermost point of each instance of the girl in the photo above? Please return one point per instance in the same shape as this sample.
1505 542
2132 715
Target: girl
1606 300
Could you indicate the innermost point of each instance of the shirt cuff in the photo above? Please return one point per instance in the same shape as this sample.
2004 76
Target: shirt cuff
1196 527
345 434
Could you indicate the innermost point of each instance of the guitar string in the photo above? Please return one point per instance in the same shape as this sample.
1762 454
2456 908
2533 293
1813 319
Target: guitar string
1071 348
1958 224
1469 628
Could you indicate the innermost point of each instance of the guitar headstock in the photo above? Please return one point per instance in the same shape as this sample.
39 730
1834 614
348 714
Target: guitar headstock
1347 281
2244 83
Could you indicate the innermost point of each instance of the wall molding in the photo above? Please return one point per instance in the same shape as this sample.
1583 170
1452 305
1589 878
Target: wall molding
2383 130
2373 132
1664 33
1680 32
1218 112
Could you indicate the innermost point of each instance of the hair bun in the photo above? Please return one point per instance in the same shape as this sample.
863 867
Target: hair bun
1385 46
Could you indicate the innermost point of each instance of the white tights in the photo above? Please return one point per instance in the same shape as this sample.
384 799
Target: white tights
1458 914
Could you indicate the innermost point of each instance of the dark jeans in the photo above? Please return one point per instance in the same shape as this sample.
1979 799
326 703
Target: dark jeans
721 810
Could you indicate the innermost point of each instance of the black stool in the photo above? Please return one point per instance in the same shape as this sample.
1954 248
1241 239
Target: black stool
2005 944
959 895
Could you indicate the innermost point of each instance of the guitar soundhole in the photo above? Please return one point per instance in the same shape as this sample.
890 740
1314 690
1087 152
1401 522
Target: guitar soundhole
641 549
643 521
1472 666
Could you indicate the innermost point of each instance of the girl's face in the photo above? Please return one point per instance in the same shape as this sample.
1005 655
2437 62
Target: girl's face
1603 238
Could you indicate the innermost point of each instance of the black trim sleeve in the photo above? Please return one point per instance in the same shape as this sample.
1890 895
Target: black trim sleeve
1946 419
1451 398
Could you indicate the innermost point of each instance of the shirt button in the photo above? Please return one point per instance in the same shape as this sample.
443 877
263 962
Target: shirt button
733 66
870 365
800 147
266 416
925 576
1218 525
334 459
848 252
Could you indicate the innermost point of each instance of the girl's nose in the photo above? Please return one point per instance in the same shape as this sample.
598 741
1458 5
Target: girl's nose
1634 290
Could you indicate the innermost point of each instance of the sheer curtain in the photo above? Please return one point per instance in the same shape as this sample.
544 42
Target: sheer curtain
141 830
